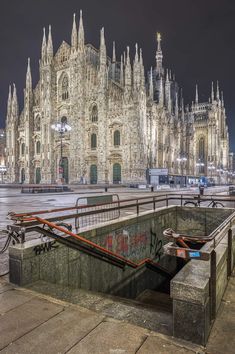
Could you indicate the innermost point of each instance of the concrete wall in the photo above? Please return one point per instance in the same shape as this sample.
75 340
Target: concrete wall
190 290
134 238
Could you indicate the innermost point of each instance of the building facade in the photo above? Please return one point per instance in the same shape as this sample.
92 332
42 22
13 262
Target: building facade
123 120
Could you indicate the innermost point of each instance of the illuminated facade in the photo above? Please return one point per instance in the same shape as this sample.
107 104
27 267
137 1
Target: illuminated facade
122 120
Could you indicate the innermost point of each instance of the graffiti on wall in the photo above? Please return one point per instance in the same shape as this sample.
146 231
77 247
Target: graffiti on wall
134 246
46 247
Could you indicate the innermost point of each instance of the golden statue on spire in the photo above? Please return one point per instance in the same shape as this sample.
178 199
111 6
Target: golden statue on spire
159 37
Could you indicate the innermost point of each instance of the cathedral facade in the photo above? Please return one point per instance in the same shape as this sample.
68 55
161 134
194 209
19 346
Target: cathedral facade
123 120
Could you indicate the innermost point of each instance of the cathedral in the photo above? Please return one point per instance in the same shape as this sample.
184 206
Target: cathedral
96 119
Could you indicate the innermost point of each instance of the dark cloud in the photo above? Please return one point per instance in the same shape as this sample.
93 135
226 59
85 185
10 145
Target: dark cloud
198 39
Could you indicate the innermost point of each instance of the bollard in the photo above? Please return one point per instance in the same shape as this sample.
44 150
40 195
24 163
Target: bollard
230 250
201 190
213 284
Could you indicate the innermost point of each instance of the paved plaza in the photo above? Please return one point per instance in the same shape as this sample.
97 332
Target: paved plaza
32 322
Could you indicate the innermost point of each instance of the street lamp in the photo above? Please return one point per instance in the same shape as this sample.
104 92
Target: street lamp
181 160
211 168
61 128
200 164
220 171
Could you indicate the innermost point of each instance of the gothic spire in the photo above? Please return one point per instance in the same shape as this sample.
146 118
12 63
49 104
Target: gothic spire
44 47
142 76
196 95
136 68
128 69
102 47
212 92
161 93
176 105
151 84
49 47
167 76
74 35
159 55
28 85
168 92
182 105
121 72
9 103
136 54
114 53
124 58
217 91
14 106
113 65
170 77
81 38
182 109
222 98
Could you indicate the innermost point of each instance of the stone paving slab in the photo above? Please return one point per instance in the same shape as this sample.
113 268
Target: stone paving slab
111 337
159 345
57 335
222 337
46 324
11 299
5 287
22 319
109 306
230 291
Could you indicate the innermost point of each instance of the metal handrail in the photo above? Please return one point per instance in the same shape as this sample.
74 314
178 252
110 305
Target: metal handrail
155 198
93 246
20 218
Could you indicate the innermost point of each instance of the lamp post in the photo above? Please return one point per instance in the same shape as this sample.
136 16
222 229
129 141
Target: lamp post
61 128
226 173
181 161
200 164
219 170
211 168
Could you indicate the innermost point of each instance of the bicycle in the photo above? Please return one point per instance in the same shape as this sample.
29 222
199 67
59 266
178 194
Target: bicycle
212 204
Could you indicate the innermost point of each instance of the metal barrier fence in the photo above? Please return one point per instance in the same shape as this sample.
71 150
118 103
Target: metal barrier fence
95 203
113 209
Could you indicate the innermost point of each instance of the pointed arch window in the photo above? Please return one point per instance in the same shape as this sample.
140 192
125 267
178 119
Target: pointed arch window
116 138
93 141
22 149
201 149
94 114
65 88
38 147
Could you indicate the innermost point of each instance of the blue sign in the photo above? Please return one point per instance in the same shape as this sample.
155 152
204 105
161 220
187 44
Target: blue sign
194 254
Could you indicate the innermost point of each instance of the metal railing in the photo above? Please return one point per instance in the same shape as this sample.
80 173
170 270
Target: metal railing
117 206
109 202
55 227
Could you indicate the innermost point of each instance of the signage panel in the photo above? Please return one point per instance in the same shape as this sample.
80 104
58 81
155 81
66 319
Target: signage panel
158 171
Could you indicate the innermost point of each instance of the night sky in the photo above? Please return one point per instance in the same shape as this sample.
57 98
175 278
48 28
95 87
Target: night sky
198 39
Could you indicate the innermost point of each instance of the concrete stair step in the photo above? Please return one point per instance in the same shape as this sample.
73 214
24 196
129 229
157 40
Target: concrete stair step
159 300
129 310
